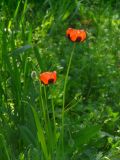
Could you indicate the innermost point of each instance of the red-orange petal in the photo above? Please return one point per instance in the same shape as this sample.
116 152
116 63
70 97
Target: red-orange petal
48 77
82 34
68 32
73 36
76 35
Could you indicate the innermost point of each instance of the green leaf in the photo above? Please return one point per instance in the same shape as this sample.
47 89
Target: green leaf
85 135
21 49
4 148
40 60
27 135
41 137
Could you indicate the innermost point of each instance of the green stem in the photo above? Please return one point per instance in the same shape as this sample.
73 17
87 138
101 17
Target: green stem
64 94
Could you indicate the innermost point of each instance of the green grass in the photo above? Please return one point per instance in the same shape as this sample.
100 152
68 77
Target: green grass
78 116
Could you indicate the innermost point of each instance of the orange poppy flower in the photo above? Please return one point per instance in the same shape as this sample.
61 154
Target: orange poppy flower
76 35
48 77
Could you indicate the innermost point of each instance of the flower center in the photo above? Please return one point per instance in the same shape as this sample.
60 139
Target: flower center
78 39
50 80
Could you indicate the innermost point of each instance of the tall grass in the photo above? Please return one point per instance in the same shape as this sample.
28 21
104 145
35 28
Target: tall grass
78 117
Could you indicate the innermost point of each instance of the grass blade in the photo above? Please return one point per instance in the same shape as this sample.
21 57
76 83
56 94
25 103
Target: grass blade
40 134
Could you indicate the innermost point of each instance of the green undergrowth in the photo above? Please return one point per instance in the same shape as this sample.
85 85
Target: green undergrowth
76 118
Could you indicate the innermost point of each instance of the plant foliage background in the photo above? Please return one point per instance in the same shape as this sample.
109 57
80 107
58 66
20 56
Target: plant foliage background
32 40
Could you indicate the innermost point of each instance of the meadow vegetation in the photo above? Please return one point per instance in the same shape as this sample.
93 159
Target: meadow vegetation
78 117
